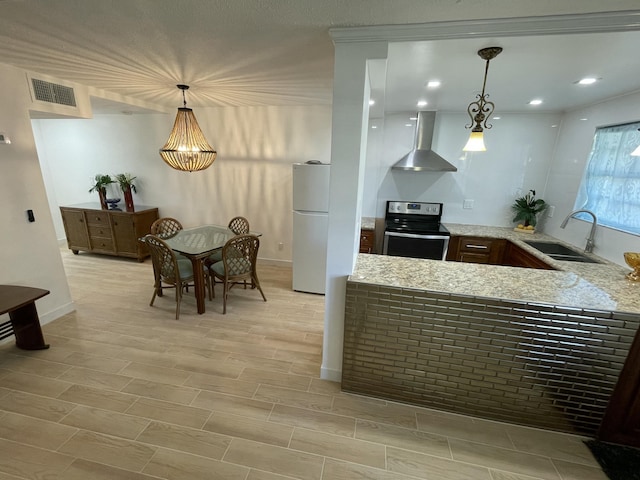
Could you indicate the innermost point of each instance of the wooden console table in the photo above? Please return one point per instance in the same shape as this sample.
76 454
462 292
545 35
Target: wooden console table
19 303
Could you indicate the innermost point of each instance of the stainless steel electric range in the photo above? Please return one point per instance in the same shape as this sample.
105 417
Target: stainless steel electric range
413 229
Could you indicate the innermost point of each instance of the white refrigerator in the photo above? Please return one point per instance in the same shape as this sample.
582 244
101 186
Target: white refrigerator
310 226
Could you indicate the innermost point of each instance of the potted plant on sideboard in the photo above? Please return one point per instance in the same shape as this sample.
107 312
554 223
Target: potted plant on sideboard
125 181
100 185
526 210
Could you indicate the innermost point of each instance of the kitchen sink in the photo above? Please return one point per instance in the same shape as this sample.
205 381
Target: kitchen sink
559 252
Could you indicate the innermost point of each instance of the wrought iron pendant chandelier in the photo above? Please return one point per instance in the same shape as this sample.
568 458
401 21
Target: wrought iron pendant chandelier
480 110
187 149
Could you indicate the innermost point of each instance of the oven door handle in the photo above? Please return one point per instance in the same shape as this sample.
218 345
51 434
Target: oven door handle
417 235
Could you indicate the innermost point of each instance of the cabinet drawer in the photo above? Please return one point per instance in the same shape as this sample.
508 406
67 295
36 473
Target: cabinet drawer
473 257
481 250
102 244
99 231
97 218
476 244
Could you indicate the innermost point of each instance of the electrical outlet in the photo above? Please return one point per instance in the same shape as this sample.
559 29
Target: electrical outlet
551 210
280 246
468 204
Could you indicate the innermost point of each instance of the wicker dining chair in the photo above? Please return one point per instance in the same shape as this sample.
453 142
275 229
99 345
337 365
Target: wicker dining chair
238 264
165 227
239 226
168 269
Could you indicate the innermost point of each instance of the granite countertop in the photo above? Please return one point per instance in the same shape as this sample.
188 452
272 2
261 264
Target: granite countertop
601 286
368 223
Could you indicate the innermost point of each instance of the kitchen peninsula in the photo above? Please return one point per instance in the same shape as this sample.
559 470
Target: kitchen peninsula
529 346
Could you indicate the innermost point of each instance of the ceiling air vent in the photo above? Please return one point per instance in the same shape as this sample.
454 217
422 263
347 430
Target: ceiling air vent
53 93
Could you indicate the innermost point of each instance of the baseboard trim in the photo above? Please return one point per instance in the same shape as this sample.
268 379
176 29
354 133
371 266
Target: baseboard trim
274 262
57 313
330 374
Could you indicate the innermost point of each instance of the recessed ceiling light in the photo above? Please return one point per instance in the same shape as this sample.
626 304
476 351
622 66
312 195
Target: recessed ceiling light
372 102
408 124
497 118
536 101
422 103
413 118
374 126
584 119
554 125
433 83
587 81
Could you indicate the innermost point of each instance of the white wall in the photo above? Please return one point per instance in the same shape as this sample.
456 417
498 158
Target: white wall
544 152
572 153
519 153
250 177
29 253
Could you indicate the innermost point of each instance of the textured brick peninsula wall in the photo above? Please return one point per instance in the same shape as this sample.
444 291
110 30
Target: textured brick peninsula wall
533 364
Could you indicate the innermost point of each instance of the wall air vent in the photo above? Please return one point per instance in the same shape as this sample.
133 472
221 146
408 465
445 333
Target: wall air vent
53 92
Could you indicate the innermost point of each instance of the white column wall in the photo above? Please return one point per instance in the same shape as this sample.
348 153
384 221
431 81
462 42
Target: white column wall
348 150
29 253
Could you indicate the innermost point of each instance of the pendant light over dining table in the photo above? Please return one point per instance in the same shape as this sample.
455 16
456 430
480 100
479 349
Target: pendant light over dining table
480 110
187 149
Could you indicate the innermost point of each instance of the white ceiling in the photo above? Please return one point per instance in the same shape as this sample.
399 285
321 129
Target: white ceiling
542 67
279 52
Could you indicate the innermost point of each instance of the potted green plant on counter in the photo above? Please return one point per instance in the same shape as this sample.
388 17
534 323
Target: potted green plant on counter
526 210
125 181
100 185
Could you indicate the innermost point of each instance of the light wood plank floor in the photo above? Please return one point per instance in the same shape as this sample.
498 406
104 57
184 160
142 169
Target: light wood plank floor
128 392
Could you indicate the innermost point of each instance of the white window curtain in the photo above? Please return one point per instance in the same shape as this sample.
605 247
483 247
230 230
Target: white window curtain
611 184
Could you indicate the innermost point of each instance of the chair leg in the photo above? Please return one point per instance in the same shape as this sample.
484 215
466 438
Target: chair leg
211 282
254 281
178 299
157 290
212 277
152 298
225 295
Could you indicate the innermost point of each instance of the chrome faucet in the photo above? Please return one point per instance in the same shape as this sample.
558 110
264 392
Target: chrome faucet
590 244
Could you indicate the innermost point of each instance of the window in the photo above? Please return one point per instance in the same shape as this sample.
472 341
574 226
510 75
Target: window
610 187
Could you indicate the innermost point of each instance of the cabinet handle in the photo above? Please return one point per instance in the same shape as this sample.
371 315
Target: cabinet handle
480 247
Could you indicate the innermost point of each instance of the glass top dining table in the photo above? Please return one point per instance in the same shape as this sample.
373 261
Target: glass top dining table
198 243
203 240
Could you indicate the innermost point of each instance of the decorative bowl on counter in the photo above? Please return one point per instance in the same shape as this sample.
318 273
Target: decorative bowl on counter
633 260
113 203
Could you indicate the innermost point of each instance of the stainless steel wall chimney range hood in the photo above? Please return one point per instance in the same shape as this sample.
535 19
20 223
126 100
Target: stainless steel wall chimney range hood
422 158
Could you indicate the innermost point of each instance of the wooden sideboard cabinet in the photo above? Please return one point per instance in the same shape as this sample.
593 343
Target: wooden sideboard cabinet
367 240
110 232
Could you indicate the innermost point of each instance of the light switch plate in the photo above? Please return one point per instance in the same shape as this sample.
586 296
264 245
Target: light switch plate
468 204
551 210
4 138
